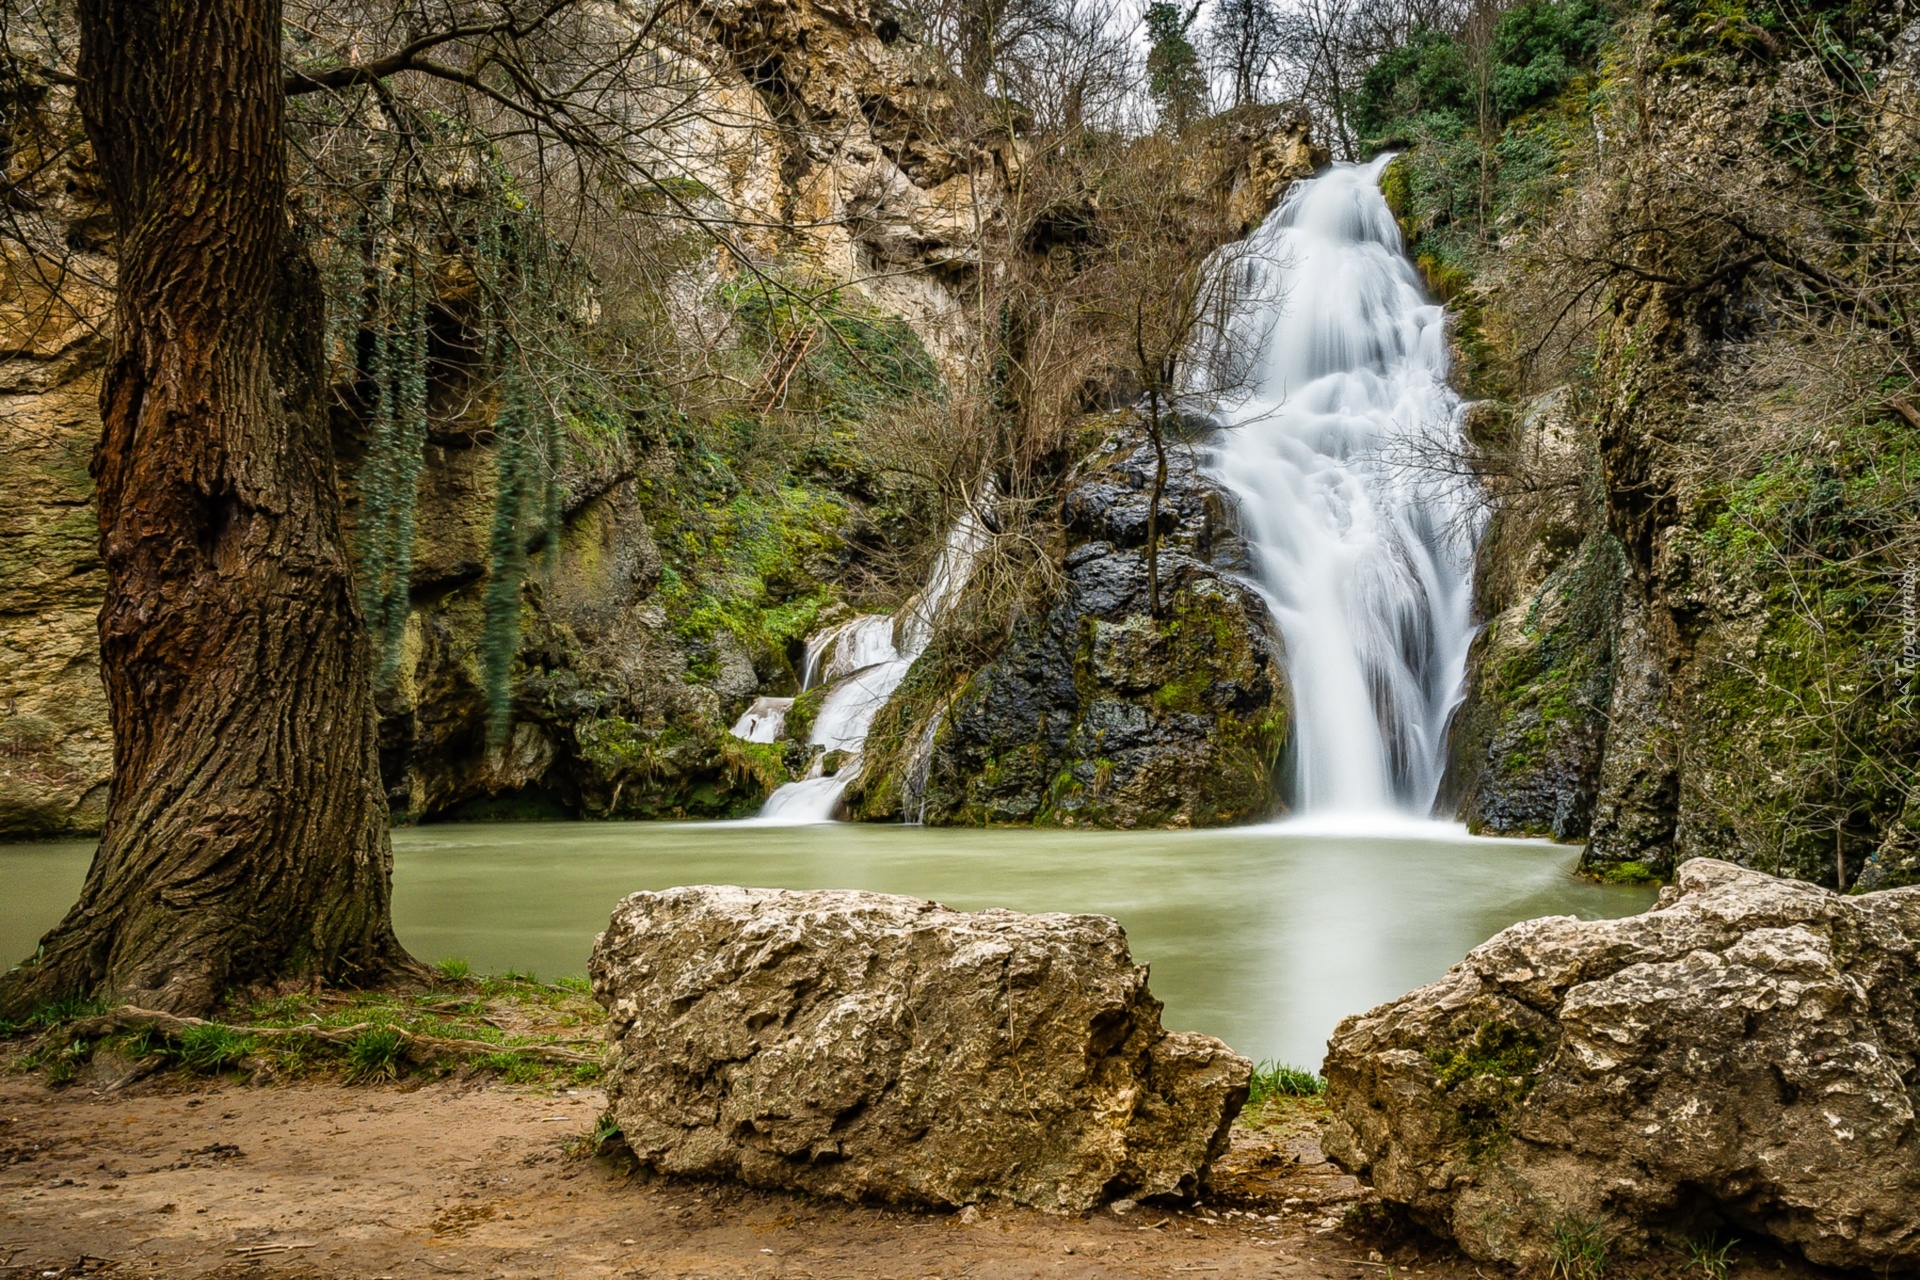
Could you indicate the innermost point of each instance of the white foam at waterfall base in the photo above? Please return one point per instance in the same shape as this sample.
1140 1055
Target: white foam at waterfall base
862 662
1338 447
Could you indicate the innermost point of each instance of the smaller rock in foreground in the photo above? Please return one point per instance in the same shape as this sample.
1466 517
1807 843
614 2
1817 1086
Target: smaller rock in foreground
867 1046
1746 1053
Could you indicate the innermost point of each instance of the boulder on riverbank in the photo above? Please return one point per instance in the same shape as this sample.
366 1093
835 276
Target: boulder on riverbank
866 1046
1747 1052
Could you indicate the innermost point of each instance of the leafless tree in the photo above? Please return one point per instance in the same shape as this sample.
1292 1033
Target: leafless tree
1244 47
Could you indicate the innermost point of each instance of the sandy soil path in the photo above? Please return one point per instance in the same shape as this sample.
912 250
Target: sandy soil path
471 1179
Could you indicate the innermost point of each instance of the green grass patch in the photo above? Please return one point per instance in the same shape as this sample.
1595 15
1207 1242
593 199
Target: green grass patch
1282 1080
1710 1258
1579 1249
65 1009
504 1012
375 1055
212 1048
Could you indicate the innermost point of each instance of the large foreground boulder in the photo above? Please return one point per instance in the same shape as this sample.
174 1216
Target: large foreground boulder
1744 1053
875 1047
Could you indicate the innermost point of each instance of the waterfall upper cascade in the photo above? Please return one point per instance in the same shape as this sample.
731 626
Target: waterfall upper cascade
861 662
1336 446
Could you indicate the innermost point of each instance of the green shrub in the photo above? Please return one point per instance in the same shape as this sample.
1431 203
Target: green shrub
453 969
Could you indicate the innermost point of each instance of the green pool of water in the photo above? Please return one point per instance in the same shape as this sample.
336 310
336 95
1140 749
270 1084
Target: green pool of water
1264 937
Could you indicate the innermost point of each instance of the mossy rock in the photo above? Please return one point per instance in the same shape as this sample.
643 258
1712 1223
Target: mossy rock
798 726
1100 710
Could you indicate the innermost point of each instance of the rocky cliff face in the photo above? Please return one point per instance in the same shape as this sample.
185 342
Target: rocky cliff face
678 584
1698 590
1097 712
55 750
842 157
1527 742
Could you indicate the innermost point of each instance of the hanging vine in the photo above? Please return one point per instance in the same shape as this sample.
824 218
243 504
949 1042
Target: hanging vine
390 475
389 226
519 292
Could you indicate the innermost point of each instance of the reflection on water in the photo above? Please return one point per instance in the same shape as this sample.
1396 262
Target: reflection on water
1265 937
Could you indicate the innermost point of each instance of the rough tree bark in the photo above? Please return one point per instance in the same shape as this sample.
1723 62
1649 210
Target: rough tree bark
246 839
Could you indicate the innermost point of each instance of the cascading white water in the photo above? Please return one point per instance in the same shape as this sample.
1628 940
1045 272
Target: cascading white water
1335 446
862 662
764 720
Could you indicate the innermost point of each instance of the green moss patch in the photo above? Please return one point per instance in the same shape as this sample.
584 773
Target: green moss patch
1485 1079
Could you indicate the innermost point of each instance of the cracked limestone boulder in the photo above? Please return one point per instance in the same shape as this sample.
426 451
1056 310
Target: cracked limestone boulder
873 1047
1746 1054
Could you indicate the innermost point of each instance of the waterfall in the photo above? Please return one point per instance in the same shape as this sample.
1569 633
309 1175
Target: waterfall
861 662
1339 435
764 721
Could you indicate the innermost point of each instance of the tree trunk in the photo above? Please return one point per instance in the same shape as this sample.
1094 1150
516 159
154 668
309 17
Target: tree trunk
980 22
246 839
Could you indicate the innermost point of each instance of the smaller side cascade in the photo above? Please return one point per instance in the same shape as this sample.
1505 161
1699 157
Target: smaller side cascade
764 721
860 663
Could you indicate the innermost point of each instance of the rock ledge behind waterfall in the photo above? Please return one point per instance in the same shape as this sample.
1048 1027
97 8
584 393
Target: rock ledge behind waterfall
868 1046
1747 1052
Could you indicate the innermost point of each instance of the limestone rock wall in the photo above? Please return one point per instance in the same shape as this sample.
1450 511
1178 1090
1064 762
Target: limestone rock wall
56 754
1526 746
836 153
834 149
840 150
1697 596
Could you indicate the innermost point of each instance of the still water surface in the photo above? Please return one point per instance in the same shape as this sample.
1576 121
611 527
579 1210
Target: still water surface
1265 937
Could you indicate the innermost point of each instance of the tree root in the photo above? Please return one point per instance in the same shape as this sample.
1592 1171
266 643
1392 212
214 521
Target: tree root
420 1049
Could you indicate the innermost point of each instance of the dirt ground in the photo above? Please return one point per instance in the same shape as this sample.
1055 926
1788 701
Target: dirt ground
475 1178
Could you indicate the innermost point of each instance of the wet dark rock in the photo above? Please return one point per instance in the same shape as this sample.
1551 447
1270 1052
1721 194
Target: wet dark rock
1528 741
1096 712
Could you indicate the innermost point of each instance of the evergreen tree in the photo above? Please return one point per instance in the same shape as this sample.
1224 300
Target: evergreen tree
1175 79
